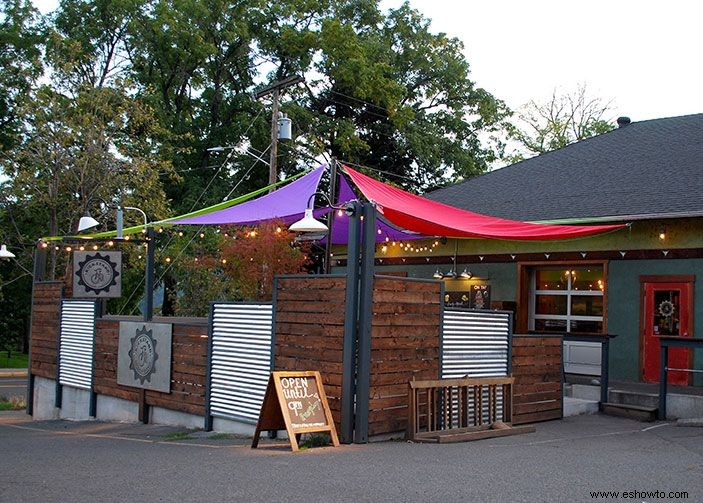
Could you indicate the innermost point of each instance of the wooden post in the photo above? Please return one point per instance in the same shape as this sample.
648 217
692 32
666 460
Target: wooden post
273 175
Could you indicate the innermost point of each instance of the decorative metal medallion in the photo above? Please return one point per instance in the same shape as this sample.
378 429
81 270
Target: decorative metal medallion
143 355
666 308
97 274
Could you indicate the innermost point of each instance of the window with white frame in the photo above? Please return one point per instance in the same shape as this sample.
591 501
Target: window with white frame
567 299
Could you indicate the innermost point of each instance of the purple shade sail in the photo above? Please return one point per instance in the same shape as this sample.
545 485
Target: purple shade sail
385 231
286 204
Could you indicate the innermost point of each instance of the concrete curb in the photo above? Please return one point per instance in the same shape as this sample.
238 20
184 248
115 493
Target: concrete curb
13 372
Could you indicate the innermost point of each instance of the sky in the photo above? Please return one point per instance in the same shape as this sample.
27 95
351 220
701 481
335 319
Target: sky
642 56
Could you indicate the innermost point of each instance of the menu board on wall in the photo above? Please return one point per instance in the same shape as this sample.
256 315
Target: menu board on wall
476 296
296 402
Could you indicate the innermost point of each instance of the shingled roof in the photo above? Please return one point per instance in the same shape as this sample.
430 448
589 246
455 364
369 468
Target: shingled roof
648 169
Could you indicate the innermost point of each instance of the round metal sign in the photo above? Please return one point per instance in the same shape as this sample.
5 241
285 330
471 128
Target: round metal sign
142 355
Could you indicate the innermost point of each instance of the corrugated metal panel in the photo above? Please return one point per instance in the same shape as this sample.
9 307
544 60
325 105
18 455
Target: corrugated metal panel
241 359
76 343
475 344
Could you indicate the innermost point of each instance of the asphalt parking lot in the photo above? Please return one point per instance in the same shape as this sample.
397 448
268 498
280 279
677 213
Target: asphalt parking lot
567 460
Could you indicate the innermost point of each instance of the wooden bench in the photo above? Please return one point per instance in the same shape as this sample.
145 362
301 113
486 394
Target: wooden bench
460 410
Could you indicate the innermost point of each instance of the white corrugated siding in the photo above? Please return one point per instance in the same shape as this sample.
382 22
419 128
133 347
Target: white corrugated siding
76 343
475 344
241 359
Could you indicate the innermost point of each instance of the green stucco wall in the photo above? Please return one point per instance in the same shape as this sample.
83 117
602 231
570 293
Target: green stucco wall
623 310
501 277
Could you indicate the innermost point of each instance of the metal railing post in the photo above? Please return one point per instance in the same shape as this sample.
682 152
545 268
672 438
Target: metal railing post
663 360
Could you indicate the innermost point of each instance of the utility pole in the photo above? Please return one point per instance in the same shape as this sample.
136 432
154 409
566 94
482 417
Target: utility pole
275 89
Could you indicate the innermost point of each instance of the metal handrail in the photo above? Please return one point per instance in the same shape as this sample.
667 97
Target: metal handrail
666 342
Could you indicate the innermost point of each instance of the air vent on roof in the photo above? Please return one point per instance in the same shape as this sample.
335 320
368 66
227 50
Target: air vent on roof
623 121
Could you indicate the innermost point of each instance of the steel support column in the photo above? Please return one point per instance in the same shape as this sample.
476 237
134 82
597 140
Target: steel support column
351 311
361 430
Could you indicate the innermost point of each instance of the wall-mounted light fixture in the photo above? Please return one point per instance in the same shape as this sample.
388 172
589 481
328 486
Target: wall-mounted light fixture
662 233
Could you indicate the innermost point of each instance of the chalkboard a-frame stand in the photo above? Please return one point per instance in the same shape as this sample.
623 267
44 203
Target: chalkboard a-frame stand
296 402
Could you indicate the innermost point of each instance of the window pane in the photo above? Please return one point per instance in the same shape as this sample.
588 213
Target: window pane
551 279
587 305
550 304
587 279
550 325
586 327
666 312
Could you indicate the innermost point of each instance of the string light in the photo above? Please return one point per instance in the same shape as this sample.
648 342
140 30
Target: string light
168 260
384 249
56 248
44 244
82 248
126 238
202 235
95 247
68 248
161 229
279 230
180 234
224 261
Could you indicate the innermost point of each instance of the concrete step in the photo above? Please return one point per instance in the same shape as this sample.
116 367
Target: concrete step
579 406
637 398
639 413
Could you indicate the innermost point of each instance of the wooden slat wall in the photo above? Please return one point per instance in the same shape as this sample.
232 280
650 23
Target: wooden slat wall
107 334
188 368
188 371
404 346
310 331
46 313
537 394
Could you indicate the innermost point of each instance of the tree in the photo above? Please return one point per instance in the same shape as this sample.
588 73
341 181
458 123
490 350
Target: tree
241 266
393 95
21 35
564 119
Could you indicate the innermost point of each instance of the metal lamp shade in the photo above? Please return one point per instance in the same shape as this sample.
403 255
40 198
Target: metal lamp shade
308 224
5 253
86 222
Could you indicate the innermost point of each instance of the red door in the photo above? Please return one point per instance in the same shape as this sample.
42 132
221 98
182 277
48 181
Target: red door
666 307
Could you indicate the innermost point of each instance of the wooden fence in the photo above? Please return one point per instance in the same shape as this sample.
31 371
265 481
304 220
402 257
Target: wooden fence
537 369
188 366
404 347
46 312
309 330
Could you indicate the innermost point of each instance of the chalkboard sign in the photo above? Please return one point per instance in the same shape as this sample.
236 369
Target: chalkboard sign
296 402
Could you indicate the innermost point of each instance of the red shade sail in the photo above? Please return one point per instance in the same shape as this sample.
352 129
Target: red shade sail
431 218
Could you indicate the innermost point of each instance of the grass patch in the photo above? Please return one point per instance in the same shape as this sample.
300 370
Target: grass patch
16 361
222 436
315 440
178 435
12 403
